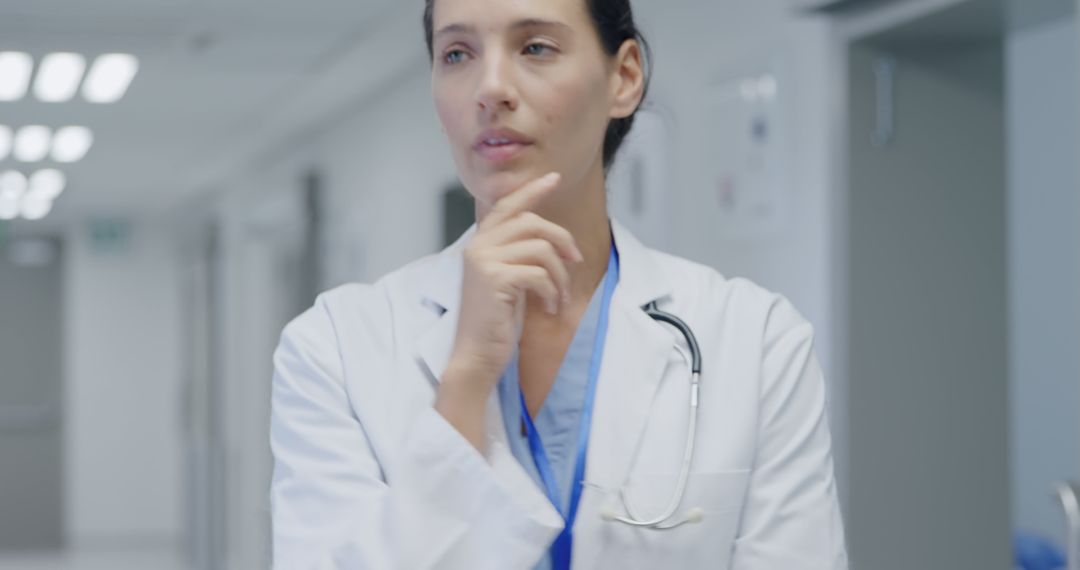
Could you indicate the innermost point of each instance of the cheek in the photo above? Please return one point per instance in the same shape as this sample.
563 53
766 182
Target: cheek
575 111
450 114
449 106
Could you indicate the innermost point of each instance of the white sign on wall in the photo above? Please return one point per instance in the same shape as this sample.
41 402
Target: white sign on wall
749 172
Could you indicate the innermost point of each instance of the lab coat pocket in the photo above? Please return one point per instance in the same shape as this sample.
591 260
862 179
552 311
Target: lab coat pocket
717 496
710 491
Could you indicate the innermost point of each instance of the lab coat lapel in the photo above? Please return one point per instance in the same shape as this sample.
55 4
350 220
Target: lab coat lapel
439 293
439 288
636 353
635 359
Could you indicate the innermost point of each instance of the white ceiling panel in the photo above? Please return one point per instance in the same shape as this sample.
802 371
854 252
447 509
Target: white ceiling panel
212 72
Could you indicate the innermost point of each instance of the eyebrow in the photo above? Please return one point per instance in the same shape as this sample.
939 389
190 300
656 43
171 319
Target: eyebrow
526 23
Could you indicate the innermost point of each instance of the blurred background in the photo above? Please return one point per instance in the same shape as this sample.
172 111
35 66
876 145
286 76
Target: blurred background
179 178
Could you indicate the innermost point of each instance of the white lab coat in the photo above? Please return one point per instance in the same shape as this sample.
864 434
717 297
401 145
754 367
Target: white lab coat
368 476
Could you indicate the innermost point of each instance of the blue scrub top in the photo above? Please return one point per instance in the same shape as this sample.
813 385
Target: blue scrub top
560 415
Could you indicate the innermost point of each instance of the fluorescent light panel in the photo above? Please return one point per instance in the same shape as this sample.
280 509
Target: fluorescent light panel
109 77
33 208
9 208
32 143
46 184
13 185
59 76
70 144
15 70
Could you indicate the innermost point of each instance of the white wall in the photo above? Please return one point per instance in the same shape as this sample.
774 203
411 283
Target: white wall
1044 256
699 45
386 168
122 369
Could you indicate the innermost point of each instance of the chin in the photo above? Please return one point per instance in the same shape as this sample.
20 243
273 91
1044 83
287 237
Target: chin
489 187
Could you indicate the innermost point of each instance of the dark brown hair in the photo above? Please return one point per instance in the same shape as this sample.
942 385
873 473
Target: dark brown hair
614 20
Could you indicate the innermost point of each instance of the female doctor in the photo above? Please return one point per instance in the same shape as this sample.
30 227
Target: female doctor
520 400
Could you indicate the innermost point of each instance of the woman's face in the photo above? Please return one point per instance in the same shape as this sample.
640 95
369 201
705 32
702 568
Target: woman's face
523 88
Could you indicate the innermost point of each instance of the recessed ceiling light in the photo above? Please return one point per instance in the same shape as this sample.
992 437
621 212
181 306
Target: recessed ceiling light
70 144
12 185
9 208
15 70
33 208
5 141
46 184
32 143
109 77
58 76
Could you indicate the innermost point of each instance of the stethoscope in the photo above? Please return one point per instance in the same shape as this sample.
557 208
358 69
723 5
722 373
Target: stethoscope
663 521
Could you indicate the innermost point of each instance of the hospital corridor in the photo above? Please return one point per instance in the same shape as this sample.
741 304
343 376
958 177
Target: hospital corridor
236 236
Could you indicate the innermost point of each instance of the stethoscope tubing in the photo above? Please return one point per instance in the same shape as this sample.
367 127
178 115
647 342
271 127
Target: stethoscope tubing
633 517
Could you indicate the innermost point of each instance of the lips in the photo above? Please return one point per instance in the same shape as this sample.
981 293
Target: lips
497 137
499 145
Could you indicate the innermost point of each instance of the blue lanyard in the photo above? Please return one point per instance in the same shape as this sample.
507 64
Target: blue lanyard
563 545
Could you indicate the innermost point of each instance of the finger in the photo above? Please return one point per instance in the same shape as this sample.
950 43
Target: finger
542 253
536 279
529 225
523 199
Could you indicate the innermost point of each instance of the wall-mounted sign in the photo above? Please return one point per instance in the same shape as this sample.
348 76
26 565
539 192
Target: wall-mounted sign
110 235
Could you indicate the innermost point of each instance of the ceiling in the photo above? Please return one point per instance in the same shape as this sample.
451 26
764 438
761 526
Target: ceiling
220 81
970 20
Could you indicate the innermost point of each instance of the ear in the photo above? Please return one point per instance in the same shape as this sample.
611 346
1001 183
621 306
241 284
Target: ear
627 80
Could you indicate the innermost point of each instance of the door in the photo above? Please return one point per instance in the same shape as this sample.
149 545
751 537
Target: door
31 369
927 300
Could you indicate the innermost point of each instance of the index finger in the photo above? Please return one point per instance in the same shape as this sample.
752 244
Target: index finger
522 199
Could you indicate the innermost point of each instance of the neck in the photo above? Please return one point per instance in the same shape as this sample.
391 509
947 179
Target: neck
581 209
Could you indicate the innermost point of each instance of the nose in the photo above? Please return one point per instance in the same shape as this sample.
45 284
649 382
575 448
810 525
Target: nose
496 90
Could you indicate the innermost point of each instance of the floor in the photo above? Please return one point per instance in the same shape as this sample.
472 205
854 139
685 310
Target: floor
140 558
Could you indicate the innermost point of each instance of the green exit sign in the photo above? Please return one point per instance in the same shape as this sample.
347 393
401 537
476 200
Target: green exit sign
110 236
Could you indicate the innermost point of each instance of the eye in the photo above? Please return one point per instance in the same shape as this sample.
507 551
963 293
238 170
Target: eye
454 56
537 48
